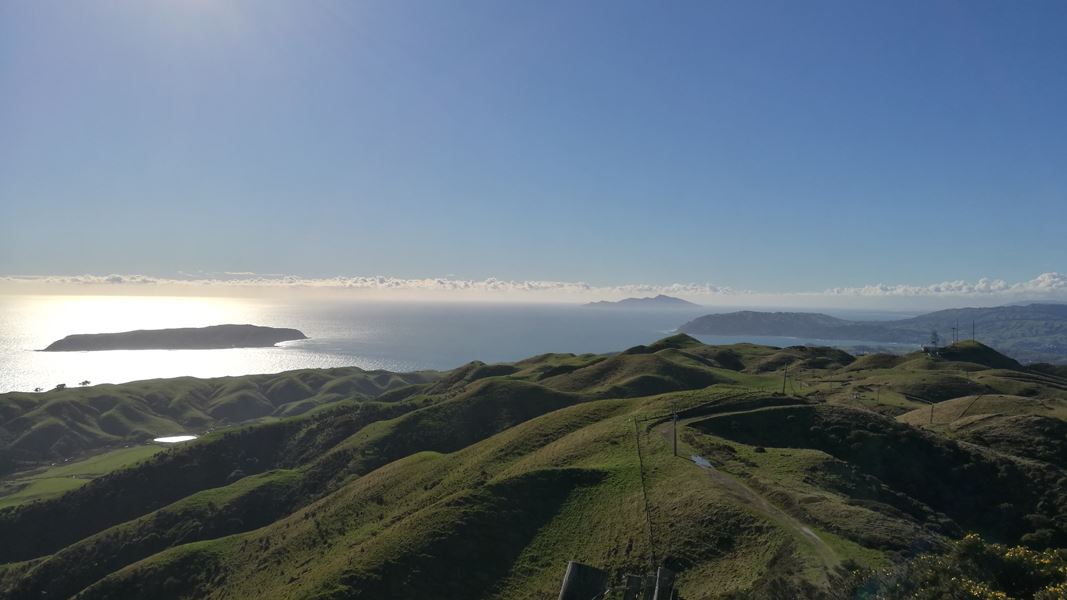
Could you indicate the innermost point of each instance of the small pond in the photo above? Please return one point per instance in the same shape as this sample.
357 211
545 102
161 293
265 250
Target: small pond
174 439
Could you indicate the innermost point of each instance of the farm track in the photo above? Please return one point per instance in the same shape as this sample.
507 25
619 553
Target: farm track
753 499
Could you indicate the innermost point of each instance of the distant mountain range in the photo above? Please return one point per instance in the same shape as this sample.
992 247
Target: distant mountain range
659 301
1030 333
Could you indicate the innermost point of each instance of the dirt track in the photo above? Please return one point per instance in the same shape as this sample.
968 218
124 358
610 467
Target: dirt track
751 498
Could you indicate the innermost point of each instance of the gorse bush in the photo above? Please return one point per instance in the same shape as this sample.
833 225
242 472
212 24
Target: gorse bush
974 569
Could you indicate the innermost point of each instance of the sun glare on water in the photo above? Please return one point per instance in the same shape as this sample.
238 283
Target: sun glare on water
31 323
67 315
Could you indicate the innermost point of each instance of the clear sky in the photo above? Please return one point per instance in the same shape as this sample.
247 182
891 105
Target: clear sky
767 146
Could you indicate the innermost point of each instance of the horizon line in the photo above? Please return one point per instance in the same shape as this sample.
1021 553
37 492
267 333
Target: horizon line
1046 287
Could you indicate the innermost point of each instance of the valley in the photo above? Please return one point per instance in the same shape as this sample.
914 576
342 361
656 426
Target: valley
800 472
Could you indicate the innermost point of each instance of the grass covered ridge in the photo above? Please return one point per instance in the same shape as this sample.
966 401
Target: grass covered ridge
394 486
39 428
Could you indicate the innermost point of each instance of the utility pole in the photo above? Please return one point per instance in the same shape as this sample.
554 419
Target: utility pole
785 373
972 330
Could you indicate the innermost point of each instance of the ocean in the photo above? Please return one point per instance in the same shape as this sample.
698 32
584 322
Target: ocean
404 336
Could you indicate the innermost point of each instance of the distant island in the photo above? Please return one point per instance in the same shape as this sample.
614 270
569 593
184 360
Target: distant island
186 338
1031 333
659 301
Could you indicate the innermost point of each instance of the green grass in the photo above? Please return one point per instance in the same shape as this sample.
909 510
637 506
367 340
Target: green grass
28 490
55 480
425 501
52 426
392 486
944 413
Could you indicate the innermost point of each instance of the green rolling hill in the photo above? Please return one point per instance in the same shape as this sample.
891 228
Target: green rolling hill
56 425
800 473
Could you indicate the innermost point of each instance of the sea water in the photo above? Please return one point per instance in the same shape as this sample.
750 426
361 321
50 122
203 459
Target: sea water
372 335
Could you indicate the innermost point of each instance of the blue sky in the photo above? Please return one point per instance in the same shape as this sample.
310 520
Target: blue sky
767 146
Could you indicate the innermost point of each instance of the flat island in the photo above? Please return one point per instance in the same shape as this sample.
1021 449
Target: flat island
186 338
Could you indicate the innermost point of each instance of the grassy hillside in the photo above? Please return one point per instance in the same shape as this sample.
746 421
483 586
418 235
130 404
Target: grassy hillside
38 428
56 479
484 481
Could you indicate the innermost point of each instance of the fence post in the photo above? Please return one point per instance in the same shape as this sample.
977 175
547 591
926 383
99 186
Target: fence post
664 584
582 582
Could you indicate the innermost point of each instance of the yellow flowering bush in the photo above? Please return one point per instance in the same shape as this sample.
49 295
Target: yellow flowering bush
973 569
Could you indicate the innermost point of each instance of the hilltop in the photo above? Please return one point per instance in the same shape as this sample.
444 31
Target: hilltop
660 301
801 472
1031 333
38 428
185 338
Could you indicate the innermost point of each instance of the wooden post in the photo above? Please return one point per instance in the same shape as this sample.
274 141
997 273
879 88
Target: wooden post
582 582
664 584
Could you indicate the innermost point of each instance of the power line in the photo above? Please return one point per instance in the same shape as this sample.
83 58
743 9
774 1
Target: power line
644 496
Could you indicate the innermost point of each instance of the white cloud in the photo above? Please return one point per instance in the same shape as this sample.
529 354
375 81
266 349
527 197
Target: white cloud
1047 286
489 287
